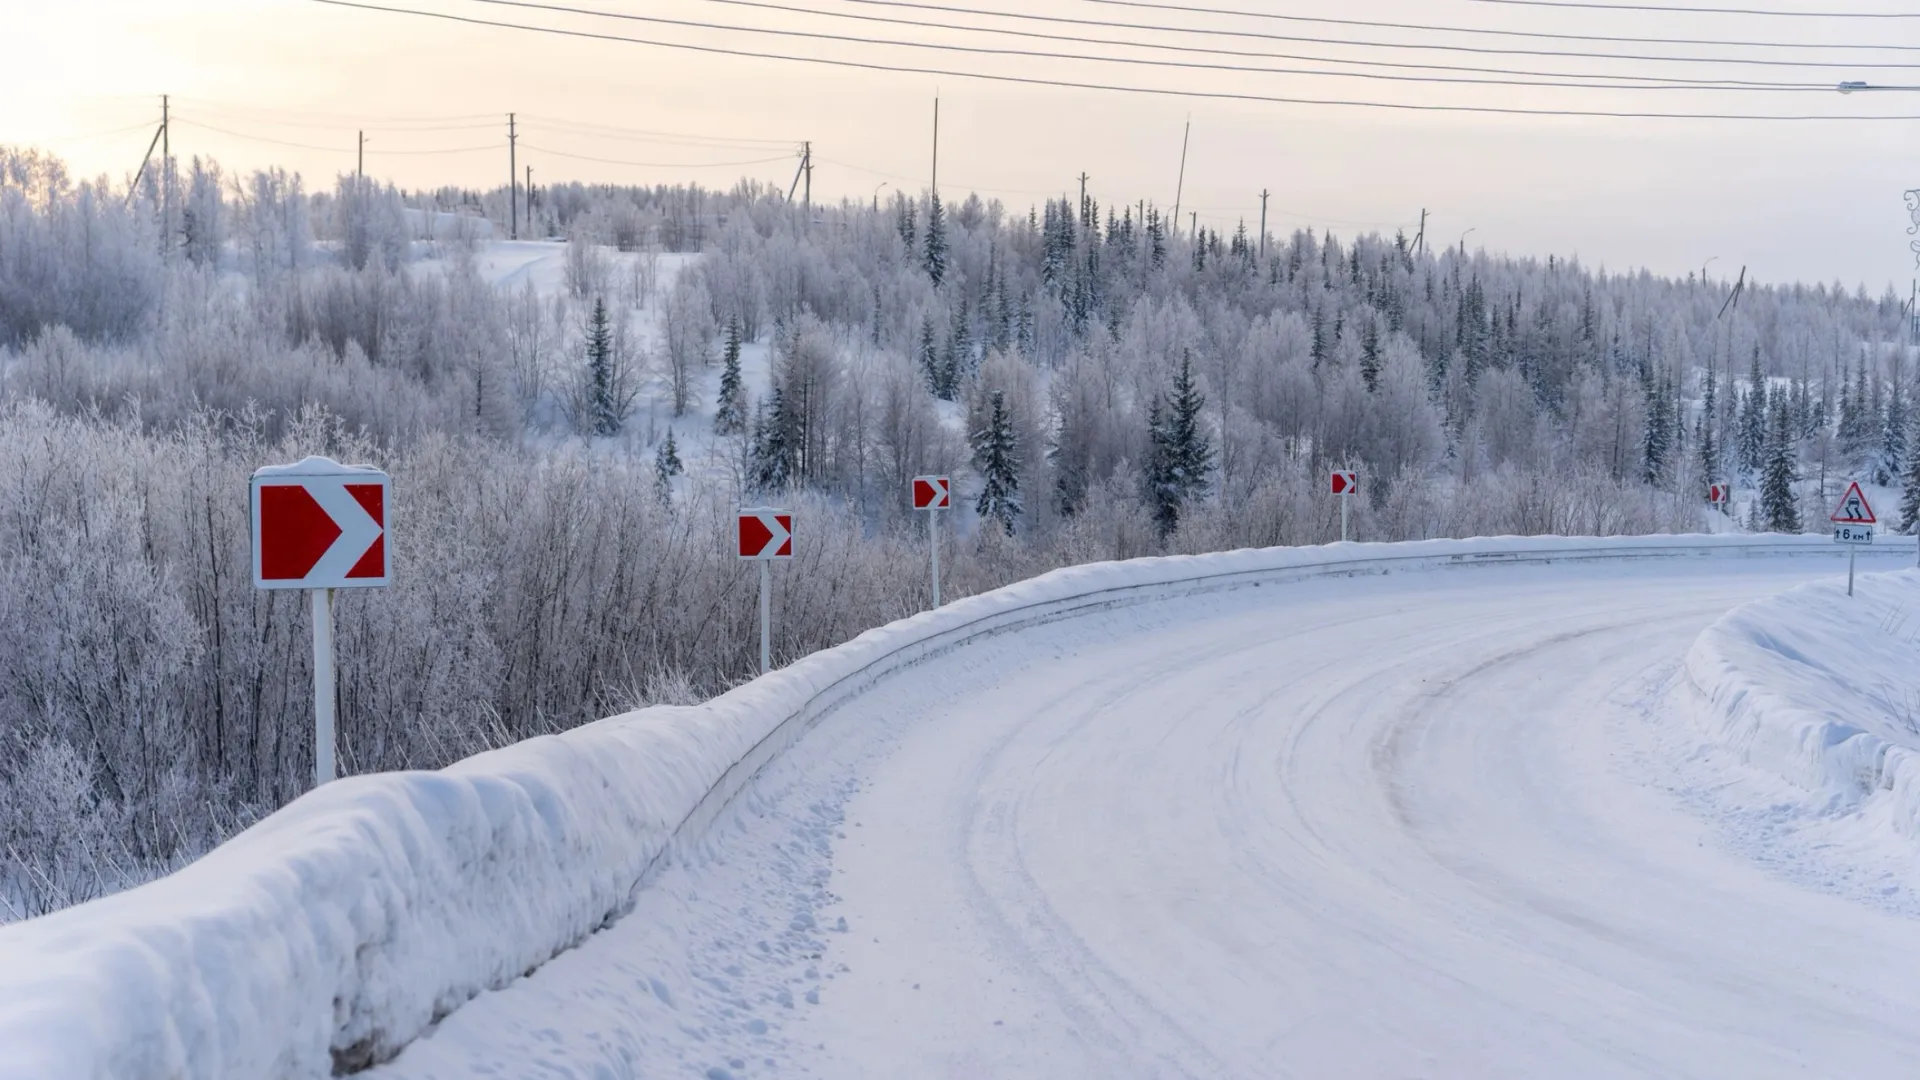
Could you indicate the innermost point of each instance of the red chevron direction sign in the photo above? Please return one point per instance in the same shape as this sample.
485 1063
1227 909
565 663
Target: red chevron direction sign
766 534
1716 493
1345 481
319 524
1853 508
932 493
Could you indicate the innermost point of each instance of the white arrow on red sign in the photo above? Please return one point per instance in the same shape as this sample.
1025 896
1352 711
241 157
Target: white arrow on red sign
1345 481
766 534
932 493
319 524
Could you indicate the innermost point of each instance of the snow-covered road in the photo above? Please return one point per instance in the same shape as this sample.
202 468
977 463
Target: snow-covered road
1434 824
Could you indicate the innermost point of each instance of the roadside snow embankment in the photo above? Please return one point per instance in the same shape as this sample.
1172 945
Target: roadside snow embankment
1823 689
338 930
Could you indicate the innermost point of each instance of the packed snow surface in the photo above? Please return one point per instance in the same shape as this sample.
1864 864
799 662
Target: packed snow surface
1307 812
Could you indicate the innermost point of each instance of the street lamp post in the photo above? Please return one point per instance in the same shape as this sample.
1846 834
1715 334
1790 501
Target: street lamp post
876 195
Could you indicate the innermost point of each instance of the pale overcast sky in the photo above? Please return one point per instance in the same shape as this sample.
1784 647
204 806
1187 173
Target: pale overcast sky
1808 201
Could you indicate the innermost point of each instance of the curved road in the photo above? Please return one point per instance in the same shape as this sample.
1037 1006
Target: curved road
1441 824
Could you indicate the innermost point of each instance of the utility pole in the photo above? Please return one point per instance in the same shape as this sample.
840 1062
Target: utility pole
936 146
1263 223
360 165
530 200
1083 197
1193 224
513 180
1420 240
806 165
1180 187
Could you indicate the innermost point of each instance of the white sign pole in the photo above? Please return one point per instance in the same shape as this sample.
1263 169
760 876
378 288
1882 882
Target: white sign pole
766 618
1343 517
323 768
933 540
1849 571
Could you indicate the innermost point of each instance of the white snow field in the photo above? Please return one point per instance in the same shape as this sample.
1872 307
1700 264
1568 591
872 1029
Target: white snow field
1436 809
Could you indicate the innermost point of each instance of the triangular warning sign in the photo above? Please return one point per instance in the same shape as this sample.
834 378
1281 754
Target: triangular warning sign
1853 508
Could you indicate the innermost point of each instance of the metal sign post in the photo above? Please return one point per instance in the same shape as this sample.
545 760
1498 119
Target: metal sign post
1344 482
933 494
764 535
319 525
1853 522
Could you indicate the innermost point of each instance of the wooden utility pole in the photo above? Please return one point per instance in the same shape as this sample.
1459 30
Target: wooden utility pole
1263 223
1420 240
529 200
1180 187
936 146
513 180
806 166
1083 197
360 163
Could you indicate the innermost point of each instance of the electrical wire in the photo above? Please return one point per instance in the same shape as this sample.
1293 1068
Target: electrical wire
1362 24
1677 10
662 138
192 123
1211 95
1203 50
1030 54
1423 27
658 164
271 115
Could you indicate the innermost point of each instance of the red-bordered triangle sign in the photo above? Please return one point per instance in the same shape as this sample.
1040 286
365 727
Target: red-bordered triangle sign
1853 508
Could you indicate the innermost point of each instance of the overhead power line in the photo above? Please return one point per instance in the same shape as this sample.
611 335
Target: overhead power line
1238 13
663 138
660 164
1213 95
1135 61
187 122
1370 24
1678 82
1670 9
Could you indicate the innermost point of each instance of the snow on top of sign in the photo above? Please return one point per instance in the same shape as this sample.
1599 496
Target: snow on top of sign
317 466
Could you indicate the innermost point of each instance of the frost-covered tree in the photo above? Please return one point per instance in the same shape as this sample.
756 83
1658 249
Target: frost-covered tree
1910 491
666 466
1754 415
1778 506
996 457
730 408
603 393
1179 455
1892 457
770 460
935 254
1704 441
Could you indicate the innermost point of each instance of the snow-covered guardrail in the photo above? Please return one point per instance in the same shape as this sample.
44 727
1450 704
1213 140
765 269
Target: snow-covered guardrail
1820 688
339 929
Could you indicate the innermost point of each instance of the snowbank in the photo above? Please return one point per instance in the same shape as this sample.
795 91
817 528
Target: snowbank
1822 689
339 929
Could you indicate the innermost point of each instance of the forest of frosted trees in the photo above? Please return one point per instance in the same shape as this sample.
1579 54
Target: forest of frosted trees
567 461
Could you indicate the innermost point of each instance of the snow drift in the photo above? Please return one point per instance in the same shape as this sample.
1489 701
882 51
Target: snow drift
339 929
1822 689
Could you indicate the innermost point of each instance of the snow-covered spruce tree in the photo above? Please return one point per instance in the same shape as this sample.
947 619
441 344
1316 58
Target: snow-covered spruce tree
1777 503
666 466
930 364
770 457
602 410
1910 494
1179 453
1656 443
996 457
730 411
1753 419
1704 441
1370 356
936 248
1893 432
